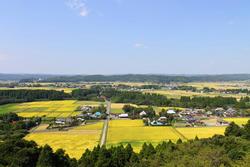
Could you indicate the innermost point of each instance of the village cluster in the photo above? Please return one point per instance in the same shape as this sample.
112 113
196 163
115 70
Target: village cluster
173 117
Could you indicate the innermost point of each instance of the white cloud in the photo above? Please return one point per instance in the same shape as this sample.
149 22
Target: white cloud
139 45
78 5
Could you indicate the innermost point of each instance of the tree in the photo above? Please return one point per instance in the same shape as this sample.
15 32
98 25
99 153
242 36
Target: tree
147 151
128 108
46 158
246 130
179 141
233 130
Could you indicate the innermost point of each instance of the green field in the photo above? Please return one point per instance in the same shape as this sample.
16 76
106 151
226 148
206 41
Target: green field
63 108
66 90
74 141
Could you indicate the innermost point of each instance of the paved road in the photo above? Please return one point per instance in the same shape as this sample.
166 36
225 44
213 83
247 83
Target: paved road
106 123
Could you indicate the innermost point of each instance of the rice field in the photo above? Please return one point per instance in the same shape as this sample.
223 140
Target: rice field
219 85
135 133
178 93
239 121
201 132
74 141
78 139
63 108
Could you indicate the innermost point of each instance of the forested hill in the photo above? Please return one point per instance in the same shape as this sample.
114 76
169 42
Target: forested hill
149 78
18 77
125 78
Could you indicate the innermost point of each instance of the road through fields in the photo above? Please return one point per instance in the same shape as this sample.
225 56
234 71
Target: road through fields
105 126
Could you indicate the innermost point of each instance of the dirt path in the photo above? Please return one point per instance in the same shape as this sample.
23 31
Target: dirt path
105 127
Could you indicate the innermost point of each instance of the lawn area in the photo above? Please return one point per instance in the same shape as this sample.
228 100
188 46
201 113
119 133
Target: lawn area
135 133
74 141
239 121
62 108
201 132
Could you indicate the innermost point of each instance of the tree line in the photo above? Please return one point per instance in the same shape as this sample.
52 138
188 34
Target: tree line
151 99
117 96
26 95
147 78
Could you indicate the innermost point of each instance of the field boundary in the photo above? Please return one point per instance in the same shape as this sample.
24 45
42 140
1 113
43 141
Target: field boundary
179 133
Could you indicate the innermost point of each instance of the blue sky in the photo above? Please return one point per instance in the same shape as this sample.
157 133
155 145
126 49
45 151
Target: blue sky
125 36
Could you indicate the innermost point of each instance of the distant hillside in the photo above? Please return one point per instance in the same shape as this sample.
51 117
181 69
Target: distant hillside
18 77
149 78
124 78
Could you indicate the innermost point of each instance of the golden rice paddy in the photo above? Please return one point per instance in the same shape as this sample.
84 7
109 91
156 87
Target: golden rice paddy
74 141
239 121
63 108
135 133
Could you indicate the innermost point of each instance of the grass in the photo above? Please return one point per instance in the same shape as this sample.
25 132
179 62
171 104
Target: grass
7 108
63 108
116 108
239 121
74 141
135 133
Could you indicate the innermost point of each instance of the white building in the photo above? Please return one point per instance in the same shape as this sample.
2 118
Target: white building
123 116
143 113
171 112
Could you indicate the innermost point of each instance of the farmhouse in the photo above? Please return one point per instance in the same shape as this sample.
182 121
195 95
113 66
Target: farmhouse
156 123
171 112
98 114
230 112
80 119
143 113
162 119
123 116
60 121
